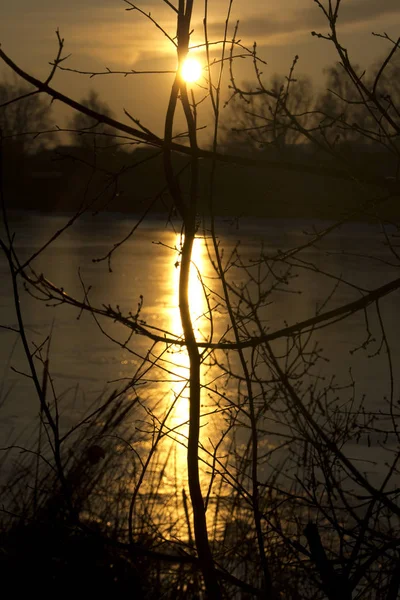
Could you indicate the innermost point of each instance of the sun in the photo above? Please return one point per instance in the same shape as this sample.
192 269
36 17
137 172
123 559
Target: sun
191 70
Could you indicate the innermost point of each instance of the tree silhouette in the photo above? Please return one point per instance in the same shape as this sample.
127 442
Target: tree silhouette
263 120
87 131
24 114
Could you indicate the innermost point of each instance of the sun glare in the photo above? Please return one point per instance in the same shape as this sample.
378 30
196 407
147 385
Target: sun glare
191 70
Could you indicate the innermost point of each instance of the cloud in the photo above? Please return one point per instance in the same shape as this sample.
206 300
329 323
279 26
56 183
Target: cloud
361 11
288 20
117 38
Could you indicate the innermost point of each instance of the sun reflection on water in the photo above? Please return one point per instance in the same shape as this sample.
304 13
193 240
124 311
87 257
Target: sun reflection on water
170 395
179 389
197 300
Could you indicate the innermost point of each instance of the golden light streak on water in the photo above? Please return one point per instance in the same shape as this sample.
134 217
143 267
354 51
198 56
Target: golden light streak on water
197 301
178 420
171 458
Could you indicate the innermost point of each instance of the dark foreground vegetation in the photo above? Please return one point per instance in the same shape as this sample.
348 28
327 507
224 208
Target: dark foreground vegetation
71 537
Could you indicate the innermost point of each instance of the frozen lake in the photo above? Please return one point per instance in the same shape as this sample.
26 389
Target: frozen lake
84 362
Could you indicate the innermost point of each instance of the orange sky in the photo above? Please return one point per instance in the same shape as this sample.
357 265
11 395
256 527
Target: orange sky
101 33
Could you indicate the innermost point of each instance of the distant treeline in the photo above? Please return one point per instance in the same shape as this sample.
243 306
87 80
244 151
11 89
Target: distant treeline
68 177
99 171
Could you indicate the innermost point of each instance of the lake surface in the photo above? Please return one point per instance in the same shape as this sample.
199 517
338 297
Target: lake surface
85 363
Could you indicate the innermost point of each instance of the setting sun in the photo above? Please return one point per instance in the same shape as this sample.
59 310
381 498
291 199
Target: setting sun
191 70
